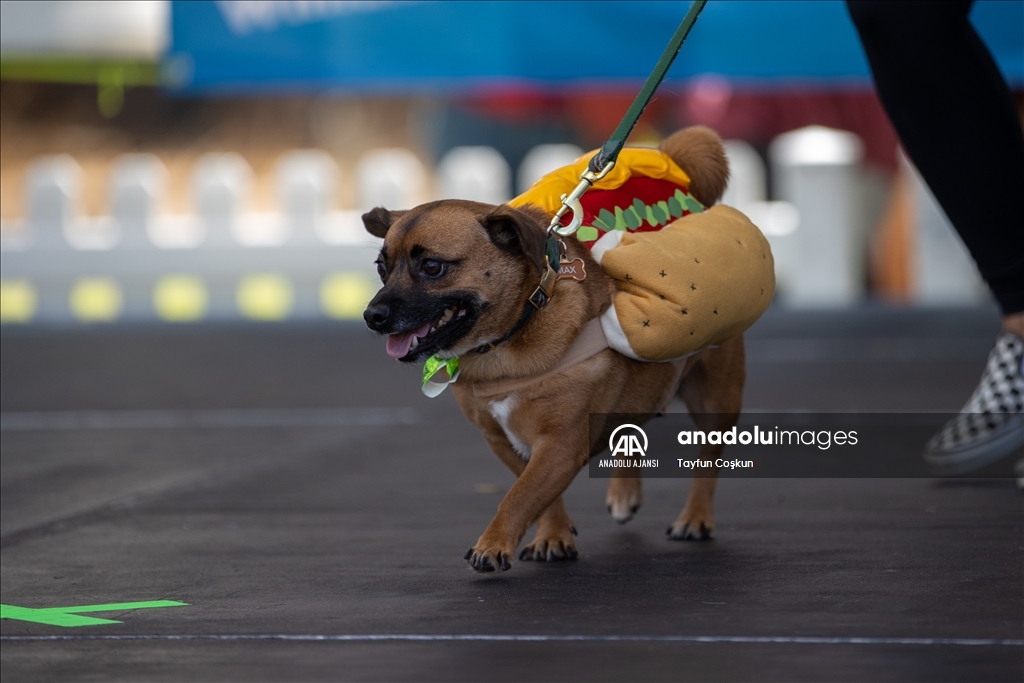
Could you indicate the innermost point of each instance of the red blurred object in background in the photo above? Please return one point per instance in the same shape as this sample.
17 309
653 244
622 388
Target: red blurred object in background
746 114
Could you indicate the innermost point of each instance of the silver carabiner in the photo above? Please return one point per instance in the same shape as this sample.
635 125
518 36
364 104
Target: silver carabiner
571 202
568 204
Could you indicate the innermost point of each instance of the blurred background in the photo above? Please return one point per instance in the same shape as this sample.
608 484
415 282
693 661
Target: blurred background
188 161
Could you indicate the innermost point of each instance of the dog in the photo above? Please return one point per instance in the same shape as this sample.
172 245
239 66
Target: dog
457 278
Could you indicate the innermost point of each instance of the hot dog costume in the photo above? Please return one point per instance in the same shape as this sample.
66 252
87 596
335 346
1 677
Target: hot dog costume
687 277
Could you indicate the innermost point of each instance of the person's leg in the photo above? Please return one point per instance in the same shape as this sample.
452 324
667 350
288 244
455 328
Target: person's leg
957 122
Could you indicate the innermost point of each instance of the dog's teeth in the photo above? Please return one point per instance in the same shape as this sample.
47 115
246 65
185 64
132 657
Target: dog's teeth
448 313
415 343
432 330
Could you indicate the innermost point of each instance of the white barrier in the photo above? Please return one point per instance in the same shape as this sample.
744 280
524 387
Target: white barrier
322 265
392 178
137 185
544 159
53 185
479 174
306 182
747 178
221 184
161 271
818 170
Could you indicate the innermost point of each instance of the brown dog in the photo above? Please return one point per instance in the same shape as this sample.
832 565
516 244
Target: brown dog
457 276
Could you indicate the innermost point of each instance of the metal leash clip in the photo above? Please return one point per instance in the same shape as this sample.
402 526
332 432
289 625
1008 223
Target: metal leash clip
571 202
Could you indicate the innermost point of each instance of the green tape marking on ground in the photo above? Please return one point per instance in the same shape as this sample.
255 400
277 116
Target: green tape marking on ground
67 616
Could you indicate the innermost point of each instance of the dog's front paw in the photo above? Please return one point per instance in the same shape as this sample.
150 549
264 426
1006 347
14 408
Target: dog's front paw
551 547
486 558
695 523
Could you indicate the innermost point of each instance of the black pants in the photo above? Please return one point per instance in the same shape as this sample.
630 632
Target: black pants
957 121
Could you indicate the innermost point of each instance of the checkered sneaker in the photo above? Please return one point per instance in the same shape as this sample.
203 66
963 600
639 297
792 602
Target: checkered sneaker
991 424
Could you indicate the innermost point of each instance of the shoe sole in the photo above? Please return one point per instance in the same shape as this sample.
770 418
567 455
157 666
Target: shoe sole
1005 441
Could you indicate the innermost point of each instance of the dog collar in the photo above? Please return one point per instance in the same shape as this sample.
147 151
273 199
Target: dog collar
553 249
536 301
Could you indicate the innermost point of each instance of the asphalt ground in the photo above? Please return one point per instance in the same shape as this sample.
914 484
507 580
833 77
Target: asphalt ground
238 469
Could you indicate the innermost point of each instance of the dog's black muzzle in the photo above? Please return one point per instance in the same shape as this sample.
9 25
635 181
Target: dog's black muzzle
377 315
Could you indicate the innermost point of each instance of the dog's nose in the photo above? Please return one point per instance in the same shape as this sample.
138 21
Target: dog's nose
376 315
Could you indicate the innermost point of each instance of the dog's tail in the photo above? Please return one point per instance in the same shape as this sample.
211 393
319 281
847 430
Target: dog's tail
699 152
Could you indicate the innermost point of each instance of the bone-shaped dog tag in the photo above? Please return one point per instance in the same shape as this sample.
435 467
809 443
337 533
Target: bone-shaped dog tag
572 269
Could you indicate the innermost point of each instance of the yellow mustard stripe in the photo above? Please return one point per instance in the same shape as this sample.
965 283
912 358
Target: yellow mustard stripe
648 163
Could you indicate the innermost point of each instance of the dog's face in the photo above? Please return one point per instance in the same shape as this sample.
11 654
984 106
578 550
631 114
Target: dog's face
456 275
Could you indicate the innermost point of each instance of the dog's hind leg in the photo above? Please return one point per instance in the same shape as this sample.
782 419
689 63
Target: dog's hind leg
624 498
713 391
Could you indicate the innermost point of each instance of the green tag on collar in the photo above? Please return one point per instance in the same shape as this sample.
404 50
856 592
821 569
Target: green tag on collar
438 373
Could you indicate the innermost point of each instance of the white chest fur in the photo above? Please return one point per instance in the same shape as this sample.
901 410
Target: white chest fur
501 411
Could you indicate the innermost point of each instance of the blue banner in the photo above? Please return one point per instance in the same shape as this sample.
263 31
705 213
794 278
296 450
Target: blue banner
255 45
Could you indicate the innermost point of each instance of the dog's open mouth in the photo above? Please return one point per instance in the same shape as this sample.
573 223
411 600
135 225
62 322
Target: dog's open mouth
429 337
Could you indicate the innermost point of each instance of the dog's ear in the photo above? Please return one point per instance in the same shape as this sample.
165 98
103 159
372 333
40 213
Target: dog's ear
377 221
517 231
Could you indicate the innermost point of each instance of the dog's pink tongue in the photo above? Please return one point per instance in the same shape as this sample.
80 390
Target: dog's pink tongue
399 344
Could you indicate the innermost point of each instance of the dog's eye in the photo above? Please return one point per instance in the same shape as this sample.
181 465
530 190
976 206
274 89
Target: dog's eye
382 270
432 268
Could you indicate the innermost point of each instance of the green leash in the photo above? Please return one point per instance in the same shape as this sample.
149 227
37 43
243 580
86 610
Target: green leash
609 151
439 373
604 160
